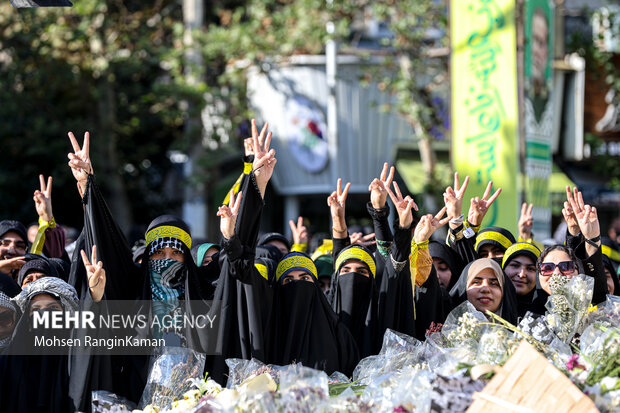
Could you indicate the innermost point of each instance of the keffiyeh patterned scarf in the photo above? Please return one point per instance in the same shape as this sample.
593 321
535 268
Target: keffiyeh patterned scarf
49 285
5 302
167 286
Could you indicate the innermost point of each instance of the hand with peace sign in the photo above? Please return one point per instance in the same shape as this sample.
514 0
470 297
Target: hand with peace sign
526 222
95 274
428 225
377 188
453 197
364 240
403 206
587 219
299 231
43 199
79 161
336 202
479 207
264 158
228 215
569 212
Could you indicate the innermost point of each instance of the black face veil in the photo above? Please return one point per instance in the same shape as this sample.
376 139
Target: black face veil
303 326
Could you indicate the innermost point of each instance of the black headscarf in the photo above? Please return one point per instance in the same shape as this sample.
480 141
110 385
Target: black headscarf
451 258
12 225
524 302
41 265
607 263
274 236
497 236
242 299
63 268
8 285
32 383
354 297
303 326
508 305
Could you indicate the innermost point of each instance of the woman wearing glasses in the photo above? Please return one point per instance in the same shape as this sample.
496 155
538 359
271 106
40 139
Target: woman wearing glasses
584 235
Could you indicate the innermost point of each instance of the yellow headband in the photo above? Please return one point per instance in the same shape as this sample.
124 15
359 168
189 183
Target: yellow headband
169 231
493 236
611 253
324 249
296 261
514 249
262 270
356 254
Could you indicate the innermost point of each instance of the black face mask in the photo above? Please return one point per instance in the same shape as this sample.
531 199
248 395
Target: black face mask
296 299
354 297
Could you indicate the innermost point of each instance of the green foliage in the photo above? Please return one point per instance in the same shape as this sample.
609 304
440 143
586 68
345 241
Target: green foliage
102 67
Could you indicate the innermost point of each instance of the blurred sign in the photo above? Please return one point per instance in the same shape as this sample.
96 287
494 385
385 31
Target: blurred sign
306 132
538 113
484 102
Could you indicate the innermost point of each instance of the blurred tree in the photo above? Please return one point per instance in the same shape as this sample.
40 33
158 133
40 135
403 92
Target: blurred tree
113 68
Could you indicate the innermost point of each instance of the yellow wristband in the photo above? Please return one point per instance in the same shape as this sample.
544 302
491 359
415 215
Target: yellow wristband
49 224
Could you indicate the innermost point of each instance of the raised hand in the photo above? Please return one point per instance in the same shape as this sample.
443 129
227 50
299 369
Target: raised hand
479 207
377 188
79 161
364 240
43 199
453 197
403 206
586 215
300 232
228 215
336 202
95 273
573 205
264 158
428 225
526 222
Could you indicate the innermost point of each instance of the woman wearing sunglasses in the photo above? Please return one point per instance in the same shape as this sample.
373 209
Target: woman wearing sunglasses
584 235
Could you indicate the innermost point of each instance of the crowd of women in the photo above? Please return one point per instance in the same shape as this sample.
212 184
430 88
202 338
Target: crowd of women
275 301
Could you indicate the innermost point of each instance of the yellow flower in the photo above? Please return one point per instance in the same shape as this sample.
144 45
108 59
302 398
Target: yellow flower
591 308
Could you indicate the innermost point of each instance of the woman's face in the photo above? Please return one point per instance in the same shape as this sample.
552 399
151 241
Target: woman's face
206 260
297 275
170 253
354 266
522 272
610 282
443 272
32 276
7 322
484 291
44 302
558 262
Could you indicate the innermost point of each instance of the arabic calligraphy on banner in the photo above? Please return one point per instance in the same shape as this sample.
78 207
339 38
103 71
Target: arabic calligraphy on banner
484 102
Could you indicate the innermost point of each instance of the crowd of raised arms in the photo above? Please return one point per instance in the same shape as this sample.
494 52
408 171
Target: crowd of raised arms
276 301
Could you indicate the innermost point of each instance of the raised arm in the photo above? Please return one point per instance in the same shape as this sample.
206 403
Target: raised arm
50 238
125 280
379 210
336 202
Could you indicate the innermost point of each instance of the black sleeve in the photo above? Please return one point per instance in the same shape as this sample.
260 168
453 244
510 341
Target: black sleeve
462 245
380 222
252 203
339 245
401 249
593 267
124 279
573 241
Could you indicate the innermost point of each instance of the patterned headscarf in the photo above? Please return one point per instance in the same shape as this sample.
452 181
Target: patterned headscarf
49 285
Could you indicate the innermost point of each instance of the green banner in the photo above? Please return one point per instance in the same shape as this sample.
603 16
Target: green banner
484 103
538 111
